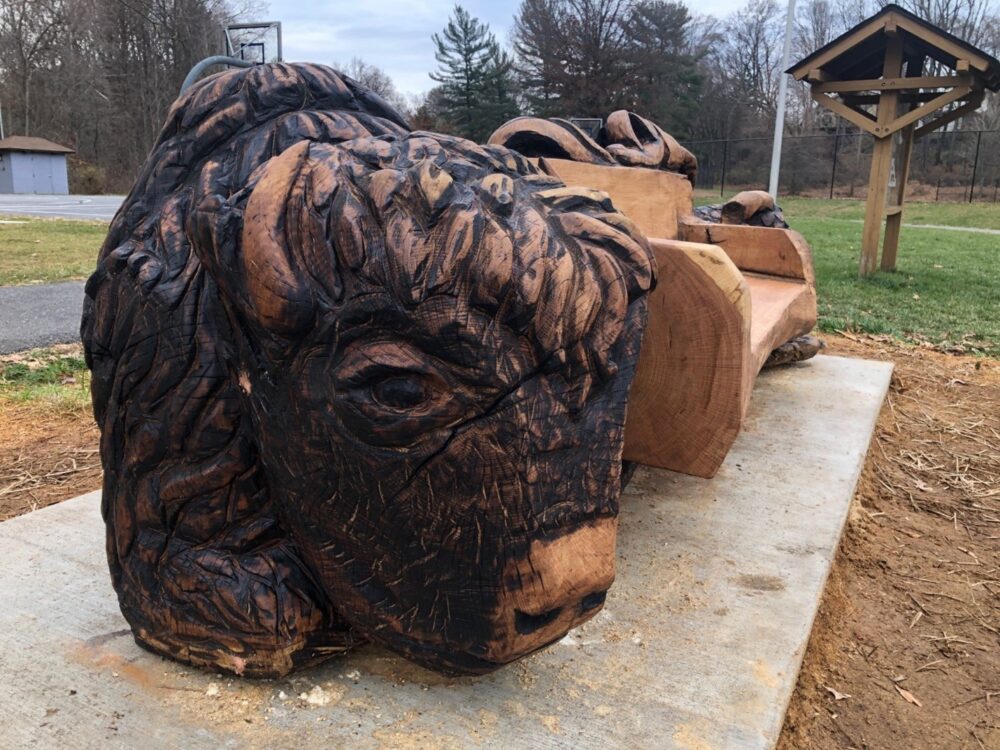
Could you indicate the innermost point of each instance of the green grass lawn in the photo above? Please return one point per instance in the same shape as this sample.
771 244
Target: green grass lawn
946 289
981 215
56 376
41 250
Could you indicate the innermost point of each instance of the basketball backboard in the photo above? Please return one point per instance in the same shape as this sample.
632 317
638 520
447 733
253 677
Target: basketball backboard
256 42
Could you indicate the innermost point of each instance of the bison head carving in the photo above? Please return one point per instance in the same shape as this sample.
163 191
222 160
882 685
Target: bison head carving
357 383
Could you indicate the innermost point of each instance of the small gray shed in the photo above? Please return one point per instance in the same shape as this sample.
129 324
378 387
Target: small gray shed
33 165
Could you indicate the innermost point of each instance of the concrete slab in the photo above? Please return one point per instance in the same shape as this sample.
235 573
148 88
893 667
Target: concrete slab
698 647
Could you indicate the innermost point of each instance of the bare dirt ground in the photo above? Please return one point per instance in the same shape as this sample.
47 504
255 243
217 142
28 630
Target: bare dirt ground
905 652
47 454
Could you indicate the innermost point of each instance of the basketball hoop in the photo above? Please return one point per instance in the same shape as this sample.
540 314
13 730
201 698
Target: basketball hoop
257 43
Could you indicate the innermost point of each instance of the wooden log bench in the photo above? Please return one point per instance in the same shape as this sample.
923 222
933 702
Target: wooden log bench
727 296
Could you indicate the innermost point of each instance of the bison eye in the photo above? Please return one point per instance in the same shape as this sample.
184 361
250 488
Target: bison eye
389 393
400 392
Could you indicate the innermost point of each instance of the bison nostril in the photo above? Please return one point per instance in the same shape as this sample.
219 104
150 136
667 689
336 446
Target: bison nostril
593 601
527 624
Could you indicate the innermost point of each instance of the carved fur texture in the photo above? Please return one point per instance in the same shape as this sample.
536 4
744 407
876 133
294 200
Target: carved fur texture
626 139
357 383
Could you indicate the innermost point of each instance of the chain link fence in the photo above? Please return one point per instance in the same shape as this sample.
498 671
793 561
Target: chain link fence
961 165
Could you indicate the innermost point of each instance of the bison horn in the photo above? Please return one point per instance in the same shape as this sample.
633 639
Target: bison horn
279 298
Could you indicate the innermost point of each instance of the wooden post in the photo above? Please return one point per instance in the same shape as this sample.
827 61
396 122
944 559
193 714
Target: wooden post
833 169
725 153
877 186
975 165
894 219
878 181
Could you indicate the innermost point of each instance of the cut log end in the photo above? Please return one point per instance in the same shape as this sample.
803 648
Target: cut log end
797 350
734 212
739 208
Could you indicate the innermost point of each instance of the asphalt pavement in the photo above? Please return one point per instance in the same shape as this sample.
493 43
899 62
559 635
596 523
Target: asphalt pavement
88 207
40 315
44 314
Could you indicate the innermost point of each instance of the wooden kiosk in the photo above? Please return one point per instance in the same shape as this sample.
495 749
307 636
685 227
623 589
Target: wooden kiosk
896 73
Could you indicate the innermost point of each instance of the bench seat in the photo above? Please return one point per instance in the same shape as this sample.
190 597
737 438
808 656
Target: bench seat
727 295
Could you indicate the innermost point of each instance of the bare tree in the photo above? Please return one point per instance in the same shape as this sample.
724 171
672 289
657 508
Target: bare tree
817 22
966 19
375 79
426 111
100 75
753 53
29 30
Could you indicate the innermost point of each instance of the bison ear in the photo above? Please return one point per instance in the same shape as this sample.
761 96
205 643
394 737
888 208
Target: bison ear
247 244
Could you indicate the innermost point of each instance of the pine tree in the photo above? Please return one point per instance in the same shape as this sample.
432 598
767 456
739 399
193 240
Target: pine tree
573 56
667 84
476 92
501 92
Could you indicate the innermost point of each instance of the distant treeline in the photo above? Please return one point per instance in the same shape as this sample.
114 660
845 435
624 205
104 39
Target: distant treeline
699 77
99 75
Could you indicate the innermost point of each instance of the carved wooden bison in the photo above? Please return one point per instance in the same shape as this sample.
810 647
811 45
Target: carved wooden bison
356 382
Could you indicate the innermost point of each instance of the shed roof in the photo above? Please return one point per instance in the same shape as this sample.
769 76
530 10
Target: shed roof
27 143
858 53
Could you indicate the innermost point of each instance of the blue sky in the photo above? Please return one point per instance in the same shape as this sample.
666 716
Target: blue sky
393 34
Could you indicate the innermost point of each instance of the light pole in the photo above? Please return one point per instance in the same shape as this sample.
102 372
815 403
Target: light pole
779 118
